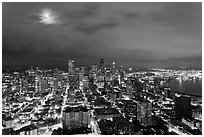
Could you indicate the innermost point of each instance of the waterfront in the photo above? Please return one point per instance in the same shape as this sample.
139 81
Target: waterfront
188 86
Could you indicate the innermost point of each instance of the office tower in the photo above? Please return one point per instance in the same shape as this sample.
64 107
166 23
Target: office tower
85 81
38 84
129 89
113 65
113 68
81 75
71 66
83 70
44 84
75 116
57 75
71 74
94 68
77 71
129 85
182 107
101 65
55 83
129 108
93 73
101 81
144 112
70 94
122 74
168 93
31 80
72 81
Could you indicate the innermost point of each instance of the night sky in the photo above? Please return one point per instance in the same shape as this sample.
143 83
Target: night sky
131 34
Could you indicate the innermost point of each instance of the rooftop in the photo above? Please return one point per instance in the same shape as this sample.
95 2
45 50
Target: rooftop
8 118
27 128
106 111
75 109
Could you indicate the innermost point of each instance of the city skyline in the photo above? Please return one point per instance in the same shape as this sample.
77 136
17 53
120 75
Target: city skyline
101 68
101 101
131 34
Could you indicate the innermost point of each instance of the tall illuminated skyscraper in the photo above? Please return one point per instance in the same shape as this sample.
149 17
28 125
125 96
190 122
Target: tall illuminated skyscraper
101 65
113 64
31 80
113 68
94 68
71 67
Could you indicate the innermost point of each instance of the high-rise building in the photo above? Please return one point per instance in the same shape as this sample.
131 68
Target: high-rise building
101 65
113 68
44 84
121 73
168 93
94 68
77 71
129 108
70 94
93 73
71 74
72 81
144 112
38 84
71 66
75 116
182 107
31 80
129 87
85 81
83 70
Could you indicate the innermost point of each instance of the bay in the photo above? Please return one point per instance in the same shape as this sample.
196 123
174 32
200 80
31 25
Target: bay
188 86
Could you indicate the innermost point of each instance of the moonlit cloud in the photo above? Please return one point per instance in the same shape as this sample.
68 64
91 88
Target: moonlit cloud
47 17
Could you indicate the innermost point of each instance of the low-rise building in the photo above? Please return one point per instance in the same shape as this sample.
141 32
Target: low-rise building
28 130
8 122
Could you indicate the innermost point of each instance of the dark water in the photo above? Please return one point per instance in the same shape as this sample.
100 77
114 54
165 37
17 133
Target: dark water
190 86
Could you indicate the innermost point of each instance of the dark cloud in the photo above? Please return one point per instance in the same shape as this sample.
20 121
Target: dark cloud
130 15
85 11
91 28
132 34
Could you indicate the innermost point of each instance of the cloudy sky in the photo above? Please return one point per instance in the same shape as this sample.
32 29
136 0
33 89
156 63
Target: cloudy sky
131 34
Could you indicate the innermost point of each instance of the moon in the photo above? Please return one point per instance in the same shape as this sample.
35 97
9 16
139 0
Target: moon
46 13
47 17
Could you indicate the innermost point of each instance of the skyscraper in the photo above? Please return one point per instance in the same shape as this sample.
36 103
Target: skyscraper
144 112
101 65
70 95
94 68
75 116
31 80
113 69
71 73
71 67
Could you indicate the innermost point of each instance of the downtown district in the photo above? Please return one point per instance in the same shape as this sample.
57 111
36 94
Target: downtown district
103 100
